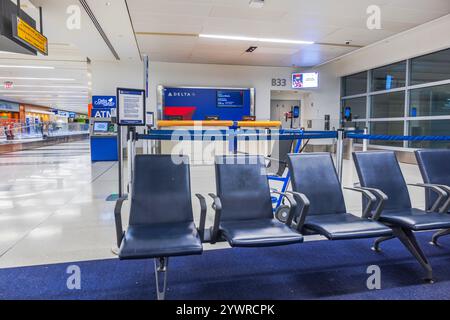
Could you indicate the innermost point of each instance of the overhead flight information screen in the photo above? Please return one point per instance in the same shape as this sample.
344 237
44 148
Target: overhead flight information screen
230 99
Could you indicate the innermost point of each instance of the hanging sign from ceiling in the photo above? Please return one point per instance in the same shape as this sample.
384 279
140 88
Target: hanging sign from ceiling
28 35
8 84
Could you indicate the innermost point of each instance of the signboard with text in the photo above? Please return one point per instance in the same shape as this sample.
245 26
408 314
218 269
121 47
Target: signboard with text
9 106
102 112
104 101
29 36
130 107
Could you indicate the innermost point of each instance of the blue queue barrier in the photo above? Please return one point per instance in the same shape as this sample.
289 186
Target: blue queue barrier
352 135
233 135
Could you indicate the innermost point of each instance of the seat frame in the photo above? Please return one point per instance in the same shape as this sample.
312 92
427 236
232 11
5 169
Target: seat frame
445 206
406 235
161 264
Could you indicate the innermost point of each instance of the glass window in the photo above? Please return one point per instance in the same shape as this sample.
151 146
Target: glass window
429 128
431 67
431 101
389 77
388 105
357 107
392 128
354 84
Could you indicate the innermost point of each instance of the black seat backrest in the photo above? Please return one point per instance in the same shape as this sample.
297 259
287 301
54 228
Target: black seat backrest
280 151
243 188
380 170
314 175
161 190
434 166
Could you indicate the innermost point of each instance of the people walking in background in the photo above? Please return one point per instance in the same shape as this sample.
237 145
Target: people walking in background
41 128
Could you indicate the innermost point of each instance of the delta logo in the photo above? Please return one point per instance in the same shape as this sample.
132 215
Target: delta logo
181 94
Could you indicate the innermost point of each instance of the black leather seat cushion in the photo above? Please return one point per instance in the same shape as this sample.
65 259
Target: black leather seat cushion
160 240
345 226
258 233
416 219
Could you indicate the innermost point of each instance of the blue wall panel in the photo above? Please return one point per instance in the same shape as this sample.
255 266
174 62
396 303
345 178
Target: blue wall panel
197 103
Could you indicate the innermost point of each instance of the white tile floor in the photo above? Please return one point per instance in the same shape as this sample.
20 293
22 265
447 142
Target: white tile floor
53 208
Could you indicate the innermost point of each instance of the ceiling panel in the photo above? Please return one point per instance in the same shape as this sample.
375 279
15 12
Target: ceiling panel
322 21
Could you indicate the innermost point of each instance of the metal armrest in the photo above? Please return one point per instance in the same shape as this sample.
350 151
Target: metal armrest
275 159
446 206
293 205
382 198
442 195
118 219
304 210
201 228
367 211
217 206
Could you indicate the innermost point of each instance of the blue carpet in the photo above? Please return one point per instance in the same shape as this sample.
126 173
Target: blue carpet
313 270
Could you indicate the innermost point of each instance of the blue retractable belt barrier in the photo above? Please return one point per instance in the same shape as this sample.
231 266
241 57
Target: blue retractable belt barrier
396 138
240 135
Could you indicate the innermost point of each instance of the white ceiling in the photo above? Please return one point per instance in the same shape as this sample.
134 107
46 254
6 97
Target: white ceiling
324 21
68 53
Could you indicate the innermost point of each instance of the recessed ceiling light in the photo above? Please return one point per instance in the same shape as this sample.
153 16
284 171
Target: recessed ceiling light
256 4
252 39
40 79
24 67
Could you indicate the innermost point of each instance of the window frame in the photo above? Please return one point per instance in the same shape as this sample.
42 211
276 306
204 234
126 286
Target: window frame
406 89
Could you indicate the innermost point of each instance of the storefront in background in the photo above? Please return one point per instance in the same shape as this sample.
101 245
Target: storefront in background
36 115
9 111
81 118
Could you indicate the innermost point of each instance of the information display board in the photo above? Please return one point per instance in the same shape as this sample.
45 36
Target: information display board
188 103
305 80
131 107
28 35
230 99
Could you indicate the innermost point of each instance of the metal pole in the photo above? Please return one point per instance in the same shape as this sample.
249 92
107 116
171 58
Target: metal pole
40 21
120 158
365 141
129 158
340 153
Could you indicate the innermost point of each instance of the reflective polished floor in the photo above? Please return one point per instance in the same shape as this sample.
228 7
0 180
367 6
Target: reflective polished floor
53 204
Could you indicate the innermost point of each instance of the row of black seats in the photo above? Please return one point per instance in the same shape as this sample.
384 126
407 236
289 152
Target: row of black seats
161 218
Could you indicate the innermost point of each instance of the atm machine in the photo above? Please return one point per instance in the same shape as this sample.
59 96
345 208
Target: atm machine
103 135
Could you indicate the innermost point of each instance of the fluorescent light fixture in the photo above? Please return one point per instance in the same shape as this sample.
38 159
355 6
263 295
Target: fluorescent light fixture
43 91
40 79
251 39
24 67
31 96
48 86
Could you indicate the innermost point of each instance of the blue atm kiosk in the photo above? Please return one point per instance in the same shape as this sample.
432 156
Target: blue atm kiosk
103 139
103 132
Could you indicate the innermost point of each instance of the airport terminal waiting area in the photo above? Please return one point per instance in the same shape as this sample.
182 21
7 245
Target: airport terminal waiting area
276 238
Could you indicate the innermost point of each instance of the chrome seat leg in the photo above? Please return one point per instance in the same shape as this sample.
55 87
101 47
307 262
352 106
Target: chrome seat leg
161 265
